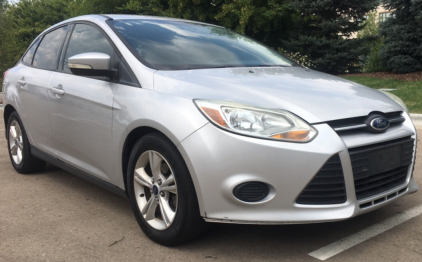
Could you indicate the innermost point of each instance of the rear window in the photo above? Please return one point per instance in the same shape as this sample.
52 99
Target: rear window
47 54
173 45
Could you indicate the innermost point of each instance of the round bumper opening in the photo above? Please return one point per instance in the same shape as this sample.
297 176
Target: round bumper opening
251 191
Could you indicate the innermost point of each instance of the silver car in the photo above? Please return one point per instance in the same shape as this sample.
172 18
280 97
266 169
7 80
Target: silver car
194 123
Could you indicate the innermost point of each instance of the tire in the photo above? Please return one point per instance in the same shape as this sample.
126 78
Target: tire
177 200
19 148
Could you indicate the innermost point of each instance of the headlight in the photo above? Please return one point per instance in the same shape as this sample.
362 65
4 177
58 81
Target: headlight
257 122
397 100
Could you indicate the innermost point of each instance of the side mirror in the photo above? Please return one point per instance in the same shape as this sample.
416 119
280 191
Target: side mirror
91 64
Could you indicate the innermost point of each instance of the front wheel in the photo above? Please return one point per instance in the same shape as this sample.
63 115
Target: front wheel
161 192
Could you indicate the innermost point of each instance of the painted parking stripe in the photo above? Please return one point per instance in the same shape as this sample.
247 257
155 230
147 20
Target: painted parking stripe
361 236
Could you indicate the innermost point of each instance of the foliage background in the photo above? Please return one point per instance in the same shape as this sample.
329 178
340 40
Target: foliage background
402 34
315 33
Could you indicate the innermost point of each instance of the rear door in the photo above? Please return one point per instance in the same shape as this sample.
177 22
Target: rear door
81 107
33 77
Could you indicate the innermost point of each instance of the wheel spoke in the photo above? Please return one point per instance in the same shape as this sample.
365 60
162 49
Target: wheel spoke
169 185
166 212
172 189
142 178
155 164
19 155
149 210
13 132
168 181
18 131
14 149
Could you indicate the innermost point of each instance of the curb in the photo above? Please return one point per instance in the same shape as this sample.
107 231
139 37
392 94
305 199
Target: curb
417 119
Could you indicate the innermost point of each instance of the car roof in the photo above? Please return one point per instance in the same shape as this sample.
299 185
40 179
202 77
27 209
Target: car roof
99 18
102 18
150 17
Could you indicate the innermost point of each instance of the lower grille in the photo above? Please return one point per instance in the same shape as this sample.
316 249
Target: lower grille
327 187
372 185
381 167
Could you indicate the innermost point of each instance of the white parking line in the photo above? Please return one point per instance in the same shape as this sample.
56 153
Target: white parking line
361 236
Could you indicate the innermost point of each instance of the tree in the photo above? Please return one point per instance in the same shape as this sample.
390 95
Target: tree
323 31
265 20
23 21
144 7
372 63
199 10
4 33
402 33
371 26
85 7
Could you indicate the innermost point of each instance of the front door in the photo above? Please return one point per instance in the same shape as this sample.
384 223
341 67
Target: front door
81 109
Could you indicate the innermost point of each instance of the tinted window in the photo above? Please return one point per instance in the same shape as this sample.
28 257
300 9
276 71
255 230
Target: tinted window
49 49
27 59
124 75
84 39
183 45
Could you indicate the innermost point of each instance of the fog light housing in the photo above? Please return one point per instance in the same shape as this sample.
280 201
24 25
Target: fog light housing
251 191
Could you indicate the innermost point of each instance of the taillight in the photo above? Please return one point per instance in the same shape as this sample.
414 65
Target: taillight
5 74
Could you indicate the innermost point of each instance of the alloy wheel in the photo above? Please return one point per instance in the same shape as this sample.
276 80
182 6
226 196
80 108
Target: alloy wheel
16 142
155 190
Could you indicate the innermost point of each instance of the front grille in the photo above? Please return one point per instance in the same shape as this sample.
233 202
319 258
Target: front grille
358 123
381 167
327 187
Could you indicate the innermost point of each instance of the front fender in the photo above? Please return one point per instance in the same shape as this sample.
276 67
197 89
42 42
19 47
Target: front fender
133 107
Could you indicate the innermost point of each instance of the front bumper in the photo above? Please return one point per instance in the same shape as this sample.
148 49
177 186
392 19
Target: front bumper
219 161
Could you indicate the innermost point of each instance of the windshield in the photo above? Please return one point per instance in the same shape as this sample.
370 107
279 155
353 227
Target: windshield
175 45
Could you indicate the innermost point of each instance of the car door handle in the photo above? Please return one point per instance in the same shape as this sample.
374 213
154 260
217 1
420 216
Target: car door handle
22 82
58 90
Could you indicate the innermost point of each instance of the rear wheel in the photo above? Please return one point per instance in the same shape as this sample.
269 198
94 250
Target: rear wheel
161 192
19 148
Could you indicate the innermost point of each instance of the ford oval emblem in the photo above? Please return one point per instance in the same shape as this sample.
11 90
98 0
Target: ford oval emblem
380 123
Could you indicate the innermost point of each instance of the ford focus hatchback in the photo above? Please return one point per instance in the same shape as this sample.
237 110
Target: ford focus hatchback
194 123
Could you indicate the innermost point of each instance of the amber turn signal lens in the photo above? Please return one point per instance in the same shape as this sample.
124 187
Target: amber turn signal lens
215 115
297 135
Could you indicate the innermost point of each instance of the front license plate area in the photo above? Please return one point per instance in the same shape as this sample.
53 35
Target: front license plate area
385 159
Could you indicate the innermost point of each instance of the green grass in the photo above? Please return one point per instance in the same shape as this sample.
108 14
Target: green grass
409 92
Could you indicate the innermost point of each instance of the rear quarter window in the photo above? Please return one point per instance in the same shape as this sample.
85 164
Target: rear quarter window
27 59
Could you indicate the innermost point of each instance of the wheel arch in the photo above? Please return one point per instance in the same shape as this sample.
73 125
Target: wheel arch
8 110
136 134
133 136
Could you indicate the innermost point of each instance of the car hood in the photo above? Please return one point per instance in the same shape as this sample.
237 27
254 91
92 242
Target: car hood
314 96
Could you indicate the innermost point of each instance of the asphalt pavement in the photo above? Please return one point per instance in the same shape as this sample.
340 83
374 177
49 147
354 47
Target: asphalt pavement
55 216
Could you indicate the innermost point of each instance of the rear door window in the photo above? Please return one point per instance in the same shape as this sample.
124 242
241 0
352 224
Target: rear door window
27 59
85 39
47 54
